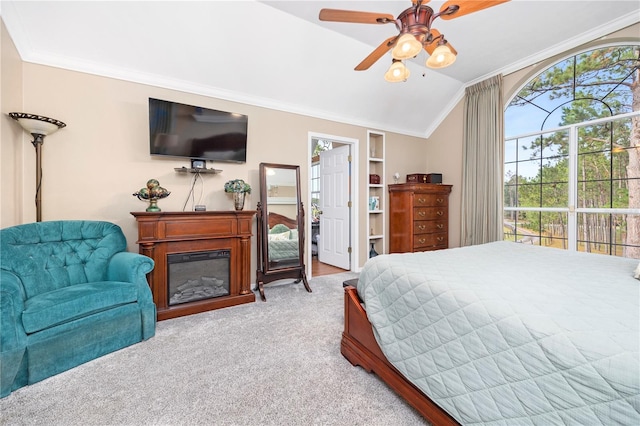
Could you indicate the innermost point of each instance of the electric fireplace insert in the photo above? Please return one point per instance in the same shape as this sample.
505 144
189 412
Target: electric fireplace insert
197 276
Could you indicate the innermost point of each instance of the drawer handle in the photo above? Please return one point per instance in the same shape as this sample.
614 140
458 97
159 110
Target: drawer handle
440 226
440 200
422 200
439 212
422 240
440 239
421 213
422 227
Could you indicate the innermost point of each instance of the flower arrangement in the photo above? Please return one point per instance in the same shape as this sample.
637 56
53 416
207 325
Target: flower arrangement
238 186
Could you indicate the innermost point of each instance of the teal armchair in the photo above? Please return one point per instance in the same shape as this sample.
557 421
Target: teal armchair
69 293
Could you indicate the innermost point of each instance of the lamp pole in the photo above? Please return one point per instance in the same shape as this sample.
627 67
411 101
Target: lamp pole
38 140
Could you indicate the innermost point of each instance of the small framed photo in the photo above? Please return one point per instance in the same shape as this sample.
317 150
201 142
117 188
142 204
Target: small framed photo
198 164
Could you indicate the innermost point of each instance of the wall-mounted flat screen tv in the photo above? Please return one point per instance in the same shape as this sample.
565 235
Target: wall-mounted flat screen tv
179 130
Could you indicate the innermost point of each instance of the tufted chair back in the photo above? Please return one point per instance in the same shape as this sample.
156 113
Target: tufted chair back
51 255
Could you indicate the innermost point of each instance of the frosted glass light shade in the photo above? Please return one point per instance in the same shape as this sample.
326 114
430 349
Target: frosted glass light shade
37 124
406 47
441 57
397 72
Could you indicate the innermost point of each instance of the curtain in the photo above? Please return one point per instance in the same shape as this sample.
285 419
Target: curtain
483 158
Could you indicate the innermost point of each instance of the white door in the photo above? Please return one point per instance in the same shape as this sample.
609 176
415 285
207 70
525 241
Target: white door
333 247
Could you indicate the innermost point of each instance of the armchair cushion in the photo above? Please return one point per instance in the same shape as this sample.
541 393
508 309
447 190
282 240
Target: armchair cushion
67 304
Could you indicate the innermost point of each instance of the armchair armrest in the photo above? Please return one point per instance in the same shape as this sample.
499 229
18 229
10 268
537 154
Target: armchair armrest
12 298
13 339
133 268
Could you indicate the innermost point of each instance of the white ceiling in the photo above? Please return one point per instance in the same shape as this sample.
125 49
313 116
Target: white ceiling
277 54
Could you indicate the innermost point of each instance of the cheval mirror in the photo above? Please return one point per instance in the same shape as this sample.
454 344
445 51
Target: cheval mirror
280 226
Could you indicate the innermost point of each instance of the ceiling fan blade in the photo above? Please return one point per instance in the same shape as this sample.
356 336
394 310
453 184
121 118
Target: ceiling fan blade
432 46
337 15
384 47
467 7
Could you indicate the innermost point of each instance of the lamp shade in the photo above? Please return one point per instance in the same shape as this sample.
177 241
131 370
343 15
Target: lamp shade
37 124
441 57
397 72
406 47
39 127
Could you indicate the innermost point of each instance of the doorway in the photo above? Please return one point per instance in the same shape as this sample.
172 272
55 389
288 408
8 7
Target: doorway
332 246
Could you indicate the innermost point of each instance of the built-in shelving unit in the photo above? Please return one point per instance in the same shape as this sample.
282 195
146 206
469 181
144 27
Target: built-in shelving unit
375 191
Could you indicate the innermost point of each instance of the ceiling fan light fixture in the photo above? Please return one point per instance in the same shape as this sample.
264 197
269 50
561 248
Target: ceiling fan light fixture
441 57
406 47
414 33
397 72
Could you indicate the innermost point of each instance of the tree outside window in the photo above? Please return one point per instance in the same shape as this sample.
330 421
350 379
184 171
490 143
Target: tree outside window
598 92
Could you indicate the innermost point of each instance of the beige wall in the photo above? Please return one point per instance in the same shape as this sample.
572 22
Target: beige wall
444 155
404 155
444 147
11 149
92 167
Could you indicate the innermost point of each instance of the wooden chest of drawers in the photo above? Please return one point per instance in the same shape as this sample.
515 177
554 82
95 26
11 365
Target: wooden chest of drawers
418 217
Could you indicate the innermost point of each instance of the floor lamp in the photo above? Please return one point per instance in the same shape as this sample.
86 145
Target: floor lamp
39 127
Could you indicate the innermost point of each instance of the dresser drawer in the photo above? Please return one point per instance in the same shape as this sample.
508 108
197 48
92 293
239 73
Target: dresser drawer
429 226
429 200
429 241
429 213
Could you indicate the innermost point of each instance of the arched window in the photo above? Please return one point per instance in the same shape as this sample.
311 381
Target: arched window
572 160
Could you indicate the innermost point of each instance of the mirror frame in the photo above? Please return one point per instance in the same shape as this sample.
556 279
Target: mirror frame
266 272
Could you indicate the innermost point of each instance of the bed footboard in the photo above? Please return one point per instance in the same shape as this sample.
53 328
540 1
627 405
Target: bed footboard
359 346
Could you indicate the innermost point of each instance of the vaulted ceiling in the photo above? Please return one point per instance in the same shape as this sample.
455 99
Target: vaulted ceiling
278 54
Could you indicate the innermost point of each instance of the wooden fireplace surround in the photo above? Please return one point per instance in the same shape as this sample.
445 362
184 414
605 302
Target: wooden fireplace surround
164 233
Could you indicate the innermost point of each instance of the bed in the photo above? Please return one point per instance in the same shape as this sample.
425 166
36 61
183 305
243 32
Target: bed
501 334
283 240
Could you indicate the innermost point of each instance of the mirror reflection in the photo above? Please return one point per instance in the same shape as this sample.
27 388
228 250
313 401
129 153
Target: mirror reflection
280 226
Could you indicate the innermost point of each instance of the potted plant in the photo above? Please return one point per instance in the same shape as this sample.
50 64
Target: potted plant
238 188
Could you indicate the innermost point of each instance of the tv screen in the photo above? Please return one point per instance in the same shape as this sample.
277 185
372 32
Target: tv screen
179 130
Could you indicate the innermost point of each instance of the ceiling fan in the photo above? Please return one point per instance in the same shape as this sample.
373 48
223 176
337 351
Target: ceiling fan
414 33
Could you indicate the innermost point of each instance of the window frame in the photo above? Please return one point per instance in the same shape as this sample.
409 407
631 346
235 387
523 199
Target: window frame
572 210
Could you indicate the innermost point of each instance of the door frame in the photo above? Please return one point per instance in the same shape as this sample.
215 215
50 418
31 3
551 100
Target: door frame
354 196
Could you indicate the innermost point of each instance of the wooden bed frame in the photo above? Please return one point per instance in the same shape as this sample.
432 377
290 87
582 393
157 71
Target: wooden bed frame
359 346
276 218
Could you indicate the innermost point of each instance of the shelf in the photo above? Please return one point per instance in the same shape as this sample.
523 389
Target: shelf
376 191
200 171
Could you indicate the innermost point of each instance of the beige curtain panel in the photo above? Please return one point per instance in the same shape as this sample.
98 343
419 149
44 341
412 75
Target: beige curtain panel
483 158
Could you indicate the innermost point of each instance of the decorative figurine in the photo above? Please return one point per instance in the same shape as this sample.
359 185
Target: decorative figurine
152 193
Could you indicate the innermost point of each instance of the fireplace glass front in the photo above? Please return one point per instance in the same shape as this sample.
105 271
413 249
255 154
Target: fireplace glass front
198 276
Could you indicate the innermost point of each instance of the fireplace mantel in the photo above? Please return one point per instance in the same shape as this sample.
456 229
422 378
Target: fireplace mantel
163 233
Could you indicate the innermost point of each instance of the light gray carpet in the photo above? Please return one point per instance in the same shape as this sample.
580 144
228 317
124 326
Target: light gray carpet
273 363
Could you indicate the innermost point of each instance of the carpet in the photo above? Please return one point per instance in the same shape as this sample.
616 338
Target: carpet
264 363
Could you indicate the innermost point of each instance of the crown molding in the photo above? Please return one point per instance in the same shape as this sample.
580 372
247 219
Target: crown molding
567 45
